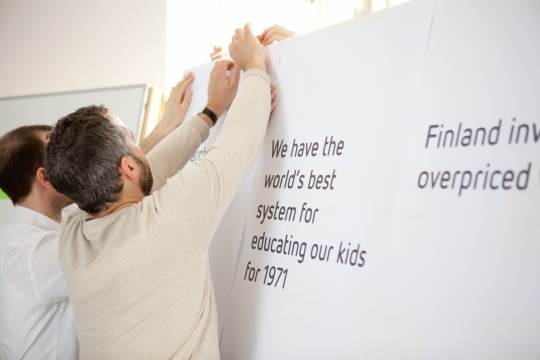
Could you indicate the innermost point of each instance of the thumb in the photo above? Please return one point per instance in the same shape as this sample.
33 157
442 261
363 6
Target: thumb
235 76
247 30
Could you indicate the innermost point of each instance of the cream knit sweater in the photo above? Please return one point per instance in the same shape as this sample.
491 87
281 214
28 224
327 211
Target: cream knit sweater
139 278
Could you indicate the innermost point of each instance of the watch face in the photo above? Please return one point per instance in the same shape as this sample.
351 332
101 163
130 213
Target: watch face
201 110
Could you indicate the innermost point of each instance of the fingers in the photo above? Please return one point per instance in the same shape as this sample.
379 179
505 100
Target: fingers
273 38
270 31
218 66
218 54
185 82
273 93
246 50
177 92
186 77
247 30
265 41
274 33
220 71
221 67
230 64
263 35
217 50
267 34
235 76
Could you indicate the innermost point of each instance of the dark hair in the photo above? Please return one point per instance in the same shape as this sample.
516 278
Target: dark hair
22 153
83 156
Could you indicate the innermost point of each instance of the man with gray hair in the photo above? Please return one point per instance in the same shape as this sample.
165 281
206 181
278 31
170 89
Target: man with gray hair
36 317
136 259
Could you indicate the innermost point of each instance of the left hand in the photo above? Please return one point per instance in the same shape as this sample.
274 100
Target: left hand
274 33
177 105
175 111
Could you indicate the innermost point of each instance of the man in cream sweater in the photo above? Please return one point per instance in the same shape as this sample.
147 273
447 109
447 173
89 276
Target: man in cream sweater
136 259
36 316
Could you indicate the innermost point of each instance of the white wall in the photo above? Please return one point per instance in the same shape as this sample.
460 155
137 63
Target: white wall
193 28
192 31
56 45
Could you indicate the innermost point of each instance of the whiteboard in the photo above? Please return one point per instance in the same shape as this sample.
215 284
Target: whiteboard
127 102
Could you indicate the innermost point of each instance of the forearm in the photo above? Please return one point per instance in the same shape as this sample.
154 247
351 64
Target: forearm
171 154
200 194
242 133
159 133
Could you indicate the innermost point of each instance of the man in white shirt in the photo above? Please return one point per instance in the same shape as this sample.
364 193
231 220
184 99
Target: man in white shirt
36 317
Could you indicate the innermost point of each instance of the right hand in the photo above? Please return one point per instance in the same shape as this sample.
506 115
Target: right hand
221 88
246 50
177 105
274 33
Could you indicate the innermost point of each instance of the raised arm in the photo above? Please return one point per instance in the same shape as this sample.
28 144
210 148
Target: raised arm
199 195
175 111
174 152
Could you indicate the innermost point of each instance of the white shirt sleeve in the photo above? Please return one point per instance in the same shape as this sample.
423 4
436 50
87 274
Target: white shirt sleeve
47 277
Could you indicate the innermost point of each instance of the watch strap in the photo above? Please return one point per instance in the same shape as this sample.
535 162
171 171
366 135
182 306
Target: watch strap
206 111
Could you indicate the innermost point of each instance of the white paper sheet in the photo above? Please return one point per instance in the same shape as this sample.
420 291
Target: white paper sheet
444 265
349 84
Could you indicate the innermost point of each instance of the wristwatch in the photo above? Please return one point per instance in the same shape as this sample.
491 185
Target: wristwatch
206 111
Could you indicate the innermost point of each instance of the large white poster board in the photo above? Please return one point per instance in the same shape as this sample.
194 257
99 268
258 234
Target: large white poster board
394 212
395 207
315 278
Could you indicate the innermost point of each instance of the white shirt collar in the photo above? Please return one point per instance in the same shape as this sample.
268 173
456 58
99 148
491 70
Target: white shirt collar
24 215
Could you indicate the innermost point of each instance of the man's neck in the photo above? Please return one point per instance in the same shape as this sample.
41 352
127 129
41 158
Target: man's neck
123 203
42 207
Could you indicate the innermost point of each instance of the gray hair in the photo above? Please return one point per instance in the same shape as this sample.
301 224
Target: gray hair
82 158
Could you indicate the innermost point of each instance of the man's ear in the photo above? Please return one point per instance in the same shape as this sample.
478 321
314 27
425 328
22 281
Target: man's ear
42 179
128 167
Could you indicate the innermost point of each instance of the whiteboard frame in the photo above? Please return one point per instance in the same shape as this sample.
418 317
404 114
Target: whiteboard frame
146 87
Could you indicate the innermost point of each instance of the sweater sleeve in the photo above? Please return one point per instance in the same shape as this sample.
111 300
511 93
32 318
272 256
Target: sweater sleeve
196 198
172 153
